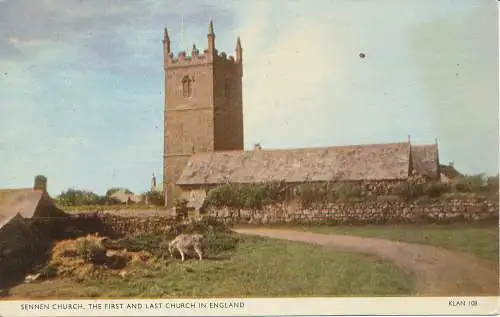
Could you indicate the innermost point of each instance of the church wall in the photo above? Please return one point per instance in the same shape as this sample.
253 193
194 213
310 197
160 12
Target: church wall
173 170
229 110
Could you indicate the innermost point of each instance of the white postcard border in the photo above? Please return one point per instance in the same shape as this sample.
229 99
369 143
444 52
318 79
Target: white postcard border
255 307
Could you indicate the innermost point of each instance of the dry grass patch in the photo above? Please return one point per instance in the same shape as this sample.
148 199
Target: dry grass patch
87 258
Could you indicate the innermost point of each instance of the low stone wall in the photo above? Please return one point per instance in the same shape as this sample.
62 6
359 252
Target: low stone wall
116 226
129 212
139 225
367 212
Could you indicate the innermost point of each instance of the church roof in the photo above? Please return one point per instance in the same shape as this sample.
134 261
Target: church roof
389 161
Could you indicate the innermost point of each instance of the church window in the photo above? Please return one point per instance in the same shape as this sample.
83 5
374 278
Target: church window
187 87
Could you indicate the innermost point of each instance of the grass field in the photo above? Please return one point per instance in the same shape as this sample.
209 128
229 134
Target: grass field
257 267
479 240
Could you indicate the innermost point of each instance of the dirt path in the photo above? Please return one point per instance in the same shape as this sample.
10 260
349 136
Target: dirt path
438 272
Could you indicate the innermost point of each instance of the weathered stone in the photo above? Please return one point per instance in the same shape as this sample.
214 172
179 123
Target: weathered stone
373 211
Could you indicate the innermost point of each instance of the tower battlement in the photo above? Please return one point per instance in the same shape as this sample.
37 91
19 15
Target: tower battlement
209 55
203 106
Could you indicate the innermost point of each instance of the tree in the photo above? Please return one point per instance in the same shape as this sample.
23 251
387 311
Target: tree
113 190
77 197
155 198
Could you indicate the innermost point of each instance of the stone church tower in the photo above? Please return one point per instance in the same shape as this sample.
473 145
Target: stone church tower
203 106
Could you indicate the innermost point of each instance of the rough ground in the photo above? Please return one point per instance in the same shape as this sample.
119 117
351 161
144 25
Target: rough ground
438 272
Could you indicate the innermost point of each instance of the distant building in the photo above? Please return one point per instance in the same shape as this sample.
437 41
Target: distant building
125 197
17 208
27 202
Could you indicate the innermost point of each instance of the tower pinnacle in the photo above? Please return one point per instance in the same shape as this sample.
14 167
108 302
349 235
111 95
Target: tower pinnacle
166 42
211 37
211 28
239 50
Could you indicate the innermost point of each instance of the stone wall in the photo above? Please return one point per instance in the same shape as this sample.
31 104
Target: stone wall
365 212
114 226
138 226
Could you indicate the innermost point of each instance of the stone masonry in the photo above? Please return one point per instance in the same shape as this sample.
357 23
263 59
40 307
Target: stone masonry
203 106
364 212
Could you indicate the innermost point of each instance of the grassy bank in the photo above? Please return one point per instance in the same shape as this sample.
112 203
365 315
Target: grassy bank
257 267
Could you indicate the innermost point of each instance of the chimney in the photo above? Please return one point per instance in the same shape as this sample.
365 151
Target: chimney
257 147
41 183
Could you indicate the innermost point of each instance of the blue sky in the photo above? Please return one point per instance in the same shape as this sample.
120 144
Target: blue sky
81 82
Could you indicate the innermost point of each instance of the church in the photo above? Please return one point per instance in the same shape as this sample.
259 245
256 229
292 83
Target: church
203 136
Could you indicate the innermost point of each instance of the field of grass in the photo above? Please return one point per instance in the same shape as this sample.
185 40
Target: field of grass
479 240
256 267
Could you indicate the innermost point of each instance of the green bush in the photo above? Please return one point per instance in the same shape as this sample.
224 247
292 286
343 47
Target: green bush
409 190
77 197
180 203
347 191
469 184
279 191
91 251
492 184
435 189
307 194
254 196
224 195
251 196
155 198
311 193
148 242
48 271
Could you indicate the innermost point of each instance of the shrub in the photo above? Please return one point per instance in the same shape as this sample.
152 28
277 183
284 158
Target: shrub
224 195
279 191
48 271
347 191
91 251
409 190
435 189
307 194
209 224
77 197
492 184
181 207
253 196
155 198
469 184
180 203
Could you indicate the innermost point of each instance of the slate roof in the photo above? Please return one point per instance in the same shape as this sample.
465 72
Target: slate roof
389 161
23 201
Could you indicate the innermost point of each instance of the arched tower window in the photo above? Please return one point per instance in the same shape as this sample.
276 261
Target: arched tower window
187 86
